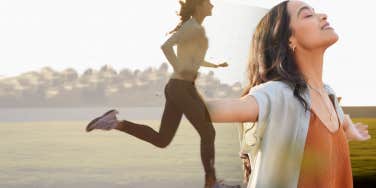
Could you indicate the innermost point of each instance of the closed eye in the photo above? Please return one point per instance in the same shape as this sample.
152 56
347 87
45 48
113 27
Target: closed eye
307 10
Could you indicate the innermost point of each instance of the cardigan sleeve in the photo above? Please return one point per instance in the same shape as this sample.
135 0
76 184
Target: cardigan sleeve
263 95
251 132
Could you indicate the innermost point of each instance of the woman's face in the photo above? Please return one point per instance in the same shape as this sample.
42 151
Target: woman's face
310 30
205 8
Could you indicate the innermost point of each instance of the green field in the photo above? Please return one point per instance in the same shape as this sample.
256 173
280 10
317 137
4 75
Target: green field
61 154
363 154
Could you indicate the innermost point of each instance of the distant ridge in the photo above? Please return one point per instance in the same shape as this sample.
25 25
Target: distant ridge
360 111
47 88
104 87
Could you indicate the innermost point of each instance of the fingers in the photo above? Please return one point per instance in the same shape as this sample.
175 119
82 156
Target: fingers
364 135
225 64
363 130
360 124
366 138
246 162
361 133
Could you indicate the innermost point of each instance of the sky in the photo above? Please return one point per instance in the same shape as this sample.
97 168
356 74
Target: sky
83 34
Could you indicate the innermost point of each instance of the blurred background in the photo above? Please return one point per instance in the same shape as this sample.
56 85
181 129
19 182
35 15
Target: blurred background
65 62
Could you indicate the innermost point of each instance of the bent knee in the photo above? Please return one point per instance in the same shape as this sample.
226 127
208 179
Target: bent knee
163 143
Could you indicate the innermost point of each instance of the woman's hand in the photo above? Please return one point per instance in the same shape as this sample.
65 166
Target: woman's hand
223 64
357 131
246 167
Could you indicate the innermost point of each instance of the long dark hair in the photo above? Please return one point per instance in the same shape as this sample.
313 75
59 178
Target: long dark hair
187 9
271 57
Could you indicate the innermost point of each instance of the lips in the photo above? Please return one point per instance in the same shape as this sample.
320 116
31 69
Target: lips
326 26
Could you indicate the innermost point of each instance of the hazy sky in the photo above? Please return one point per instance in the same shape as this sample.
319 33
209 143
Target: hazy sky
90 33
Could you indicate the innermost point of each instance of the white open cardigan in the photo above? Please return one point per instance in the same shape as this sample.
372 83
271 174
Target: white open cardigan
275 143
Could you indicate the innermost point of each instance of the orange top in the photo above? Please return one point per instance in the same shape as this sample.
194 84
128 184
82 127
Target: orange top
326 160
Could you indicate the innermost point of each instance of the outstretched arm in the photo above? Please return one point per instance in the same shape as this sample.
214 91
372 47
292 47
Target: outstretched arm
357 131
208 64
243 109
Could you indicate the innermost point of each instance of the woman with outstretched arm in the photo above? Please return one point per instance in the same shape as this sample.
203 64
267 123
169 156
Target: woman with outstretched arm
300 134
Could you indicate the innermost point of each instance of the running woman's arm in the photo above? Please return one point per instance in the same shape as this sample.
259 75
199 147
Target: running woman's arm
208 64
168 49
243 109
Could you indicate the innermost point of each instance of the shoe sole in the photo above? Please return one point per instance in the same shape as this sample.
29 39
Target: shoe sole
89 128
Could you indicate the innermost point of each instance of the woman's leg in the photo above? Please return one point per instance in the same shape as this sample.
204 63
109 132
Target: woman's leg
207 134
200 119
194 108
169 124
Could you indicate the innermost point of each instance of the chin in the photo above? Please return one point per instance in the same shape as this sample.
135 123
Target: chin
333 39
330 38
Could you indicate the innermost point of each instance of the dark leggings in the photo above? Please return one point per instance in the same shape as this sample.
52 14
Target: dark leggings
181 98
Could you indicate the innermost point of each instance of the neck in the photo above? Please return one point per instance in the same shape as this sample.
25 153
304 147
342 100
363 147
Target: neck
199 18
310 64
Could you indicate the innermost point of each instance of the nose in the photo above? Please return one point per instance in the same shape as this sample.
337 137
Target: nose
323 16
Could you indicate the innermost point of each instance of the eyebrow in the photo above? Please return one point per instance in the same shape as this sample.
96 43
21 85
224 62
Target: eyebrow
304 8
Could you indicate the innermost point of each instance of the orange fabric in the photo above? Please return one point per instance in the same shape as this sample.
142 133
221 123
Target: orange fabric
326 161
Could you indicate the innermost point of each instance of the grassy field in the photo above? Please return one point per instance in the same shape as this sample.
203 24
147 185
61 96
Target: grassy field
363 157
363 154
61 154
